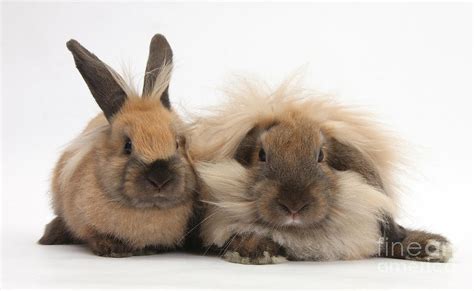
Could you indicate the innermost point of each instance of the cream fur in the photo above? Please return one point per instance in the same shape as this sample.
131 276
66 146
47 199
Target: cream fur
352 230
80 147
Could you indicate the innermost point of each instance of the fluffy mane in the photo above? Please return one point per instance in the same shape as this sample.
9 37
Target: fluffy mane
216 136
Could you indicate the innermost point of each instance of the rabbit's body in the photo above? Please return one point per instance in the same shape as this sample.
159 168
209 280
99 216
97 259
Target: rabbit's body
300 177
125 185
81 200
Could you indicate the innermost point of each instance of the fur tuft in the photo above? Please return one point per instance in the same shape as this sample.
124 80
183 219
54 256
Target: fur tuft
126 82
162 81
80 147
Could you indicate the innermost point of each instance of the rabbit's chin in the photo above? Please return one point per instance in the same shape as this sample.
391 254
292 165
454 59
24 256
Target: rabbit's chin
288 222
144 197
159 200
276 218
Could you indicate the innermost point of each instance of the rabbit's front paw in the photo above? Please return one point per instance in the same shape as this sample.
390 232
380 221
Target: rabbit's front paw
105 246
253 250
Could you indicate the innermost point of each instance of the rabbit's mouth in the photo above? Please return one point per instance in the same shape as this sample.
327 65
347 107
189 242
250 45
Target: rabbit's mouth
170 198
161 202
142 194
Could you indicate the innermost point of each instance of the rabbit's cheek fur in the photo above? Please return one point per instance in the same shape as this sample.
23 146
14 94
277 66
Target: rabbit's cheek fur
111 179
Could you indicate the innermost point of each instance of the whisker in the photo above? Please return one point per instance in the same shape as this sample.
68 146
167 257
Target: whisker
202 221
228 245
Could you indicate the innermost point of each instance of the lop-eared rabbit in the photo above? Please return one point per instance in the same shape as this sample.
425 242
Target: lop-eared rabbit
292 175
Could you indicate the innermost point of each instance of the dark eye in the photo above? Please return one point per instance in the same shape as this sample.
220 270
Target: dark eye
128 146
262 156
177 143
320 156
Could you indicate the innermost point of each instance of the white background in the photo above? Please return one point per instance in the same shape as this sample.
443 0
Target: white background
409 63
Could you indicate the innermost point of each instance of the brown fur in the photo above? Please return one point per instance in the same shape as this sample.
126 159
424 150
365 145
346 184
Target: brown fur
102 188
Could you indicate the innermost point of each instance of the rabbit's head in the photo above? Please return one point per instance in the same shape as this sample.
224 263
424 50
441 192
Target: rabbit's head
290 178
141 160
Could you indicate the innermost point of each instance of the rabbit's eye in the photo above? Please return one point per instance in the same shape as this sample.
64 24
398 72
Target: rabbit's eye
262 156
128 146
177 143
320 156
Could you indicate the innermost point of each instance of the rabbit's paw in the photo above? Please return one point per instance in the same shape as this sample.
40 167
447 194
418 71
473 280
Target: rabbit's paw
427 247
105 246
264 259
253 250
435 251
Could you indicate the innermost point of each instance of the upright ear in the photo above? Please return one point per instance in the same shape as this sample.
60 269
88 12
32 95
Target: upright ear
158 70
99 78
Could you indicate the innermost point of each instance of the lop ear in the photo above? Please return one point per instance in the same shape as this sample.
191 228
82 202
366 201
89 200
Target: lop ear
158 70
99 78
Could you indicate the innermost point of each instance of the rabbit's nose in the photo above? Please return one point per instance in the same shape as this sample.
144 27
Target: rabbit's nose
159 174
292 207
158 182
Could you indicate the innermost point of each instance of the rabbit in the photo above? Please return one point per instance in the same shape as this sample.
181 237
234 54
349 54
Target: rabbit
289 174
125 185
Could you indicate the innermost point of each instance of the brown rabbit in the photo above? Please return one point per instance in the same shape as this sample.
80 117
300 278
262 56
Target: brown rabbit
124 186
293 175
